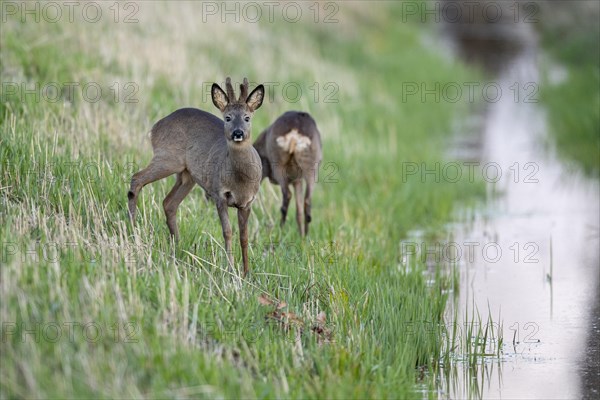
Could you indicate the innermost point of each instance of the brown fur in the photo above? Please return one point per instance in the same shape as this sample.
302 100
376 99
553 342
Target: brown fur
199 148
289 159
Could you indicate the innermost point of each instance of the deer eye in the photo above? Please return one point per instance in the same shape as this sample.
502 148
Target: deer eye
228 118
247 119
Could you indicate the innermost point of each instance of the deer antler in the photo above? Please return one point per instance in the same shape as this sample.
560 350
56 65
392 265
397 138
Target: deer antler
243 91
229 89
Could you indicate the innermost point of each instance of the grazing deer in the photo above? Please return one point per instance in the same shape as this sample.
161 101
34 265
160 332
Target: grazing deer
290 151
202 149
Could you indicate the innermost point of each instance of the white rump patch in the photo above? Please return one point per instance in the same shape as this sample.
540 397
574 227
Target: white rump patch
293 142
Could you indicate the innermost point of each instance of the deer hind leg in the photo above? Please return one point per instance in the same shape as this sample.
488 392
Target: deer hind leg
299 206
285 202
280 176
182 188
159 168
308 204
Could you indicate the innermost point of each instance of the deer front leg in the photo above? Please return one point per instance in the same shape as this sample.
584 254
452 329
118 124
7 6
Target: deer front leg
224 217
243 216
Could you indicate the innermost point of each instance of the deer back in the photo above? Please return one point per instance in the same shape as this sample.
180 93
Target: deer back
291 143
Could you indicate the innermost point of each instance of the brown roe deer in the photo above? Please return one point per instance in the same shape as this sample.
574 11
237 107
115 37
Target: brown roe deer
202 149
290 151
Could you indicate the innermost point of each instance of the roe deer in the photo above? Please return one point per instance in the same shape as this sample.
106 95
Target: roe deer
290 151
202 149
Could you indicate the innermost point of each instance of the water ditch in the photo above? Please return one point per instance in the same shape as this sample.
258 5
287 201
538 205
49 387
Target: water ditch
529 258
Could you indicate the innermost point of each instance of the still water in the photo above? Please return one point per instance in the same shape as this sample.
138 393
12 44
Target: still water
535 245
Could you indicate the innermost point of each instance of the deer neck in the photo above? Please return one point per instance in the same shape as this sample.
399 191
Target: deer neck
241 158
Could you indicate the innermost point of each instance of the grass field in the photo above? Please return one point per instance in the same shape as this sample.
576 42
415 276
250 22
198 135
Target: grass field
94 307
570 35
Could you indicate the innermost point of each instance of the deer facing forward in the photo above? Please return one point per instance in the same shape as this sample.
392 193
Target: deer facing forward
217 155
290 151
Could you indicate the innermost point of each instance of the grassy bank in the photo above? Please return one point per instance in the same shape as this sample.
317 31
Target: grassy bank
570 33
93 307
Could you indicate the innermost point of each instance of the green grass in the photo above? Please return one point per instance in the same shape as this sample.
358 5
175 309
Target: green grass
472 347
175 321
570 35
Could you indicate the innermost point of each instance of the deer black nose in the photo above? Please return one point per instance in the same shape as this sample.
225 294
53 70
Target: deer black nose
237 135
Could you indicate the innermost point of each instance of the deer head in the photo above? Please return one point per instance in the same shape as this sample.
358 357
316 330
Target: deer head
237 113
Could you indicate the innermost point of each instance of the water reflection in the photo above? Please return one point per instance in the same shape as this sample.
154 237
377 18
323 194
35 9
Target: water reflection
472 382
543 218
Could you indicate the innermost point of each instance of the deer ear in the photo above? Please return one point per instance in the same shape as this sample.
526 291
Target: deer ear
255 99
219 98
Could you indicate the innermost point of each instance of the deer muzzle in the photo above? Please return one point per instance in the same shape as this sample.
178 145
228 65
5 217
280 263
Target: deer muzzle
237 135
